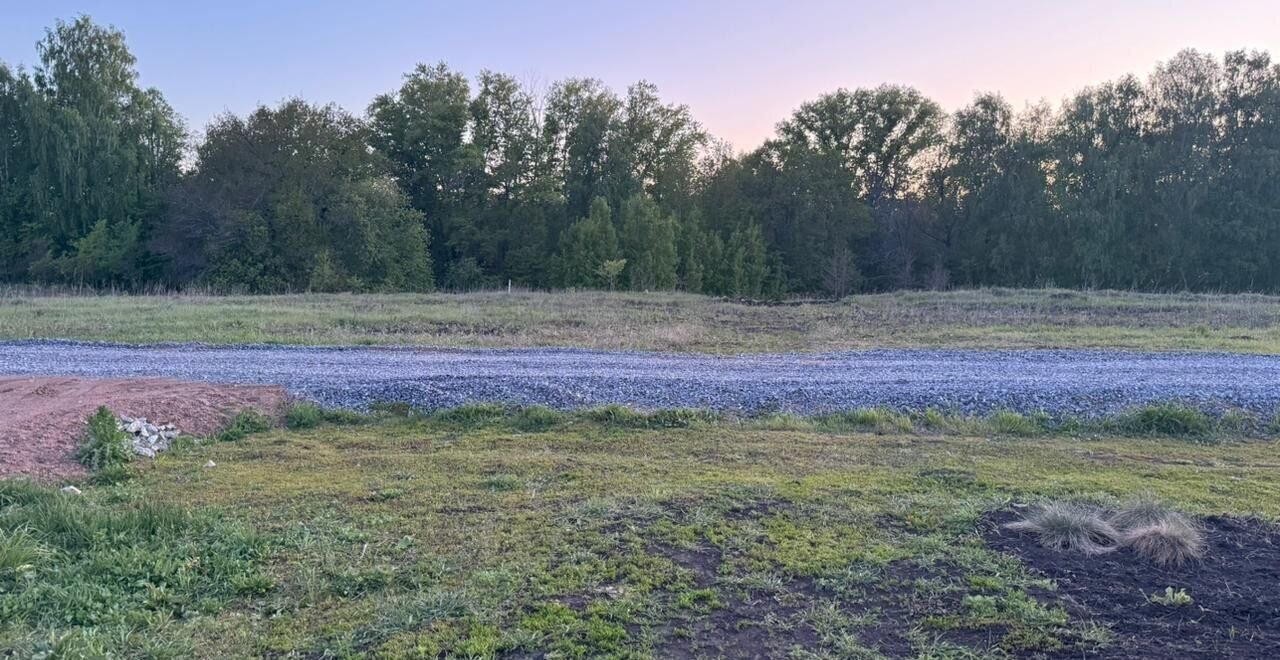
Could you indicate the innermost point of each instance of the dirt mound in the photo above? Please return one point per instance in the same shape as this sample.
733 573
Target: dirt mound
1235 611
44 416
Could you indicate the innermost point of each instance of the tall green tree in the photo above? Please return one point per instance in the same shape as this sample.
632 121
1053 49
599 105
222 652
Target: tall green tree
587 245
89 156
581 115
421 130
649 245
290 198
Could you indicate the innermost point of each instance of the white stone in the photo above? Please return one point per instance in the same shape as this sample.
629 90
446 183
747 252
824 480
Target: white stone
71 490
211 464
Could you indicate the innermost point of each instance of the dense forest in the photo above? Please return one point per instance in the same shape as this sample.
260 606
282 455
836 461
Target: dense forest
1167 183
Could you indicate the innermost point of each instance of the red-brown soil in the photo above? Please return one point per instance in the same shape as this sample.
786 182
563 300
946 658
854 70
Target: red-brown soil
41 418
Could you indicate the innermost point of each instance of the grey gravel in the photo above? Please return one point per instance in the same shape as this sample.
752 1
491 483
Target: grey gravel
1060 382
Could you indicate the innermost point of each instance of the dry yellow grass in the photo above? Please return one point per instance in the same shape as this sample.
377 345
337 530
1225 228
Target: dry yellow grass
989 318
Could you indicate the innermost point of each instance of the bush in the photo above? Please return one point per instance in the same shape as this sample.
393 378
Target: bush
245 423
679 418
879 420
668 418
1070 527
472 414
104 446
1007 422
534 419
1166 419
303 416
617 416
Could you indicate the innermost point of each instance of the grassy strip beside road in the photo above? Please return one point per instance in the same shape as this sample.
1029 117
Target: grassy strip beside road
992 318
480 532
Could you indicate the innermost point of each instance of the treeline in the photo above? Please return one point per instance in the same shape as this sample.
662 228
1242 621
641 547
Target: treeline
1172 182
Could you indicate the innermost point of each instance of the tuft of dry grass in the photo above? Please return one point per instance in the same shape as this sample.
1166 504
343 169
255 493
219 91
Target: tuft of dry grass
1154 531
1070 527
1141 511
1169 543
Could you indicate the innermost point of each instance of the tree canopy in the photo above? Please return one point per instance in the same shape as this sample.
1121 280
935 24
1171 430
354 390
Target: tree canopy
1168 182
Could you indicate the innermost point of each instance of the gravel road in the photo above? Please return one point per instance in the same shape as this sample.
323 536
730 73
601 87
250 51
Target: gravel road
1056 381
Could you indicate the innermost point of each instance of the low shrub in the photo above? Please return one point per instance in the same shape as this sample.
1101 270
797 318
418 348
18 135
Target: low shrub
1007 422
534 419
245 423
679 418
617 416
1070 527
472 414
303 416
1165 419
104 446
879 420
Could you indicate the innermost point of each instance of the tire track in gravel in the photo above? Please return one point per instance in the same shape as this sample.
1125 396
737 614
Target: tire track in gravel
1077 382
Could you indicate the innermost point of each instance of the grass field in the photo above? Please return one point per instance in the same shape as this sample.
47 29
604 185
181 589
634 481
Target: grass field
992 318
473 534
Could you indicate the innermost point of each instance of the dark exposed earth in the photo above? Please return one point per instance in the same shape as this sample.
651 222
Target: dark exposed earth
1235 591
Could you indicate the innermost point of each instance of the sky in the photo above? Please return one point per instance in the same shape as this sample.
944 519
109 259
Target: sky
741 66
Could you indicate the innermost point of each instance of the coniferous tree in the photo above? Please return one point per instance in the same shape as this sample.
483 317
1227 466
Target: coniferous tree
586 245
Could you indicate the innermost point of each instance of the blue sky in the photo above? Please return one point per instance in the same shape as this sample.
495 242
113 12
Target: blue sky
741 66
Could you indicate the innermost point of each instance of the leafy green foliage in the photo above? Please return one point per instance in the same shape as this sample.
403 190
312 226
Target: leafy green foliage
622 417
472 414
1166 419
103 446
587 246
324 216
1171 598
1164 183
245 423
86 159
305 415
536 419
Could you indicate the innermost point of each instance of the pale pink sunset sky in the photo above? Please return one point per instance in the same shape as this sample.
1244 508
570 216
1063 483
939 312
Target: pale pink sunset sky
741 66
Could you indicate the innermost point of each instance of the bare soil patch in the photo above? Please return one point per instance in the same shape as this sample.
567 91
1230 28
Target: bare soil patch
44 416
1235 589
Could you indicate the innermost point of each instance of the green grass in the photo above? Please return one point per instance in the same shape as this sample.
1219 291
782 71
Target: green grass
1164 420
485 531
988 318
